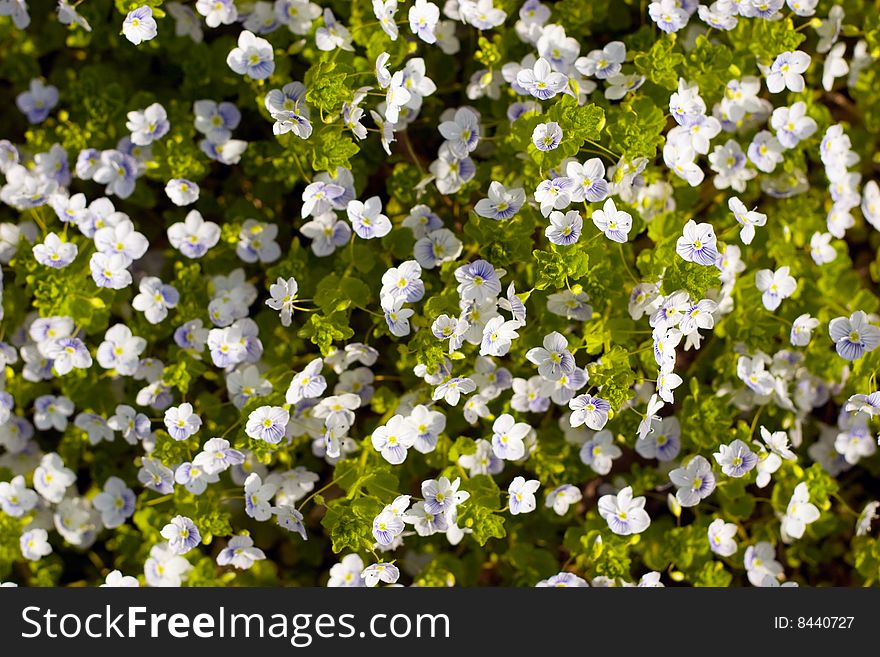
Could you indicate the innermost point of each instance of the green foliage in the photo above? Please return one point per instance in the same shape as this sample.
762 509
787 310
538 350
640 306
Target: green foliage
585 291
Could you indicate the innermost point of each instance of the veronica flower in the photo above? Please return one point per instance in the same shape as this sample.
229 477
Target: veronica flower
333 34
288 107
866 517
442 496
425 521
256 242
217 12
186 23
154 299
148 125
253 57
217 456
522 495
347 572
462 133
387 526
194 236
561 498
327 233
123 239
367 219
765 151
257 496
118 171
775 286
735 459
437 247
620 85
228 152
498 334
298 15
139 25
16 499
748 219
555 194
624 514
868 404
603 63
380 572
507 437
553 359
37 101
116 502
541 81
132 425
450 391
786 72
216 120
423 19
404 282
853 336
50 412
307 384
562 580
67 354
182 192
614 223
155 476
695 481
592 411
792 124
502 203
589 180
182 534
697 244
478 281
240 553
546 136
54 253
571 305
267 423
393 439
721 537
290 519
34 544
396 316
164 568
799 513
777 443
182 422
599 452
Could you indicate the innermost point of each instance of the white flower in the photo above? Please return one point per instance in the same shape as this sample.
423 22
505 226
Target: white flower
522 495
139 25
615 223
800 513
775 286
624 514
393 439
253 57
561 498
182 192
507 437
721 537
599 452
748 219
283 294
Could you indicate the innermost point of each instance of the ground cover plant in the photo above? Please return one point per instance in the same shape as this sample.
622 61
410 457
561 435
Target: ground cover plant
483 293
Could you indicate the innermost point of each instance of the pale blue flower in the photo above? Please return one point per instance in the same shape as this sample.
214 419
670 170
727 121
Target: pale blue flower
139 25
182 534
546 136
